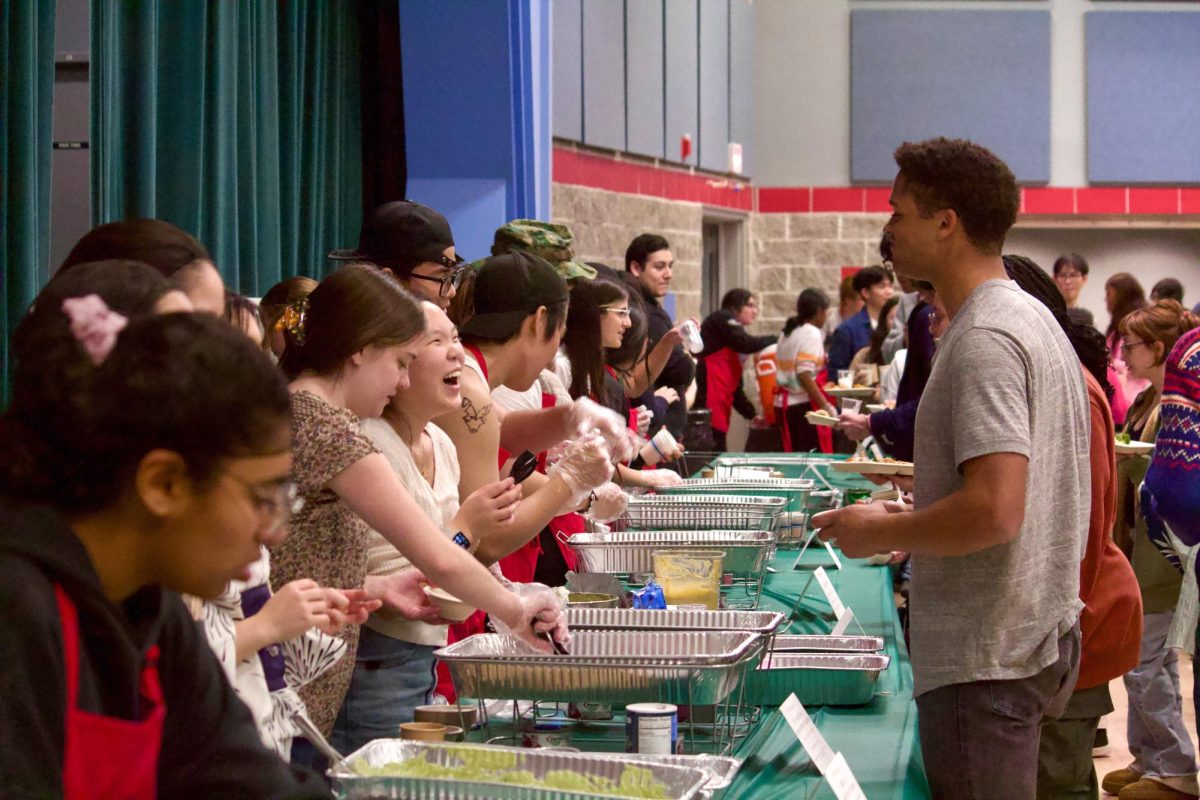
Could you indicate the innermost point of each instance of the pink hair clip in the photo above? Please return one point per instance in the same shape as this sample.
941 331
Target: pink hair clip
94 325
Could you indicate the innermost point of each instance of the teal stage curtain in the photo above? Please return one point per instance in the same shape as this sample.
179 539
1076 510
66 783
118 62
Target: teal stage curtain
26 89
240 122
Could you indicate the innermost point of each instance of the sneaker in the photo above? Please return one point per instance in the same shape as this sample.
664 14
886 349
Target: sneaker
1117 780
1150 789
1101 747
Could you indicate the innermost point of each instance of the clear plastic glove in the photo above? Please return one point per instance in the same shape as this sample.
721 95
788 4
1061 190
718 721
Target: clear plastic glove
608 502
541 612
583 466
660 478
644 417
586 415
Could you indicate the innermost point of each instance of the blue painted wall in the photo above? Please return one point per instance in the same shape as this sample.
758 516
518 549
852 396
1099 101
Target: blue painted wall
979 75
1143 97
477 112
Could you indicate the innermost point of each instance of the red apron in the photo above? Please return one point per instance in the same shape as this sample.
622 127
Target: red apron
108 757
723 370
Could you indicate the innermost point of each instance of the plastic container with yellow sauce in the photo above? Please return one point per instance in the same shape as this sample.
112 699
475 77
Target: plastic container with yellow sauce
690 576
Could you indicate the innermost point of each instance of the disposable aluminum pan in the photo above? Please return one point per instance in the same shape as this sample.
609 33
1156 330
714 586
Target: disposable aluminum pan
681 667
746 552
720 770
674 619
680 780
795 490
819 679
817 643
698 512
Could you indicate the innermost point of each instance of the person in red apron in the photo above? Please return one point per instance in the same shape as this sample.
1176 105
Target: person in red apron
129 475
719 371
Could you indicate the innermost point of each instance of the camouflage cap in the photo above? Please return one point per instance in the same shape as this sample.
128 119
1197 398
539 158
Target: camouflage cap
548 240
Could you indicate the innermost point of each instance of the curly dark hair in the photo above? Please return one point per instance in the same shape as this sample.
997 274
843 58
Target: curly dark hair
972 180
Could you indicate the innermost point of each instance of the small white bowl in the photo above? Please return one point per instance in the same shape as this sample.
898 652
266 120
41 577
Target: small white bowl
449 606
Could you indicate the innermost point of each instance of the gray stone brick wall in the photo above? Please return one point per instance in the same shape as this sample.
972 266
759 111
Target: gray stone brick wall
788 252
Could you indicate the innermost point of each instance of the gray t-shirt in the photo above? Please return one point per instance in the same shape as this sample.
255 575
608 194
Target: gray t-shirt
1004 380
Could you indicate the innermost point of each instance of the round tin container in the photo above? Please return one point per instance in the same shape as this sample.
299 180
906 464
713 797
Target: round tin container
652 728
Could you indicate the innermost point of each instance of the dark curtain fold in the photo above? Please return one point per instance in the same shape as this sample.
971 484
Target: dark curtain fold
240 122
383 116
26 91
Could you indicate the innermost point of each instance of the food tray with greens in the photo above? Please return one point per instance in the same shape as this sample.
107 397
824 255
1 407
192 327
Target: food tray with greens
630 553
395 768
817 679
699 512
719 770
823 643
674 619
681 667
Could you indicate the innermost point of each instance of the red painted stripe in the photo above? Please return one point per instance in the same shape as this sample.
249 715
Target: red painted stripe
877 200
784 200
1153 201
1101 201
1189 201
1049 201
826 198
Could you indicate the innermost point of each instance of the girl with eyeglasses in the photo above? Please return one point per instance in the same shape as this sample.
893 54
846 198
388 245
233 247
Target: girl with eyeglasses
131 476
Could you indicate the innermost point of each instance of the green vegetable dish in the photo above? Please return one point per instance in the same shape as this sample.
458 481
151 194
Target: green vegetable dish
1124 438
500 767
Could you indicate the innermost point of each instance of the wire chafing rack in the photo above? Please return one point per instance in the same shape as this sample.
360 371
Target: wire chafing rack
700 512
793 522
702 672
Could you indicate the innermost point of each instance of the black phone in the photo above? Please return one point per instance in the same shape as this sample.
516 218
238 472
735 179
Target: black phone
523 466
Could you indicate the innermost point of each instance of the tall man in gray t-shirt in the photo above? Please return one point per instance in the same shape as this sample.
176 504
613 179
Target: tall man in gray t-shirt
1001 486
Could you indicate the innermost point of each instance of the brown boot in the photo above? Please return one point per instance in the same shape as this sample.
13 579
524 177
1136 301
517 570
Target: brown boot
1117 780
1150 789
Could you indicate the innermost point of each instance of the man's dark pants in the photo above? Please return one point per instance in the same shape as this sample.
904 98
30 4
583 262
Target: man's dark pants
980 740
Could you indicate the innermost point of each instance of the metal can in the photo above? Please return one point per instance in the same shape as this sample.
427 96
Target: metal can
545 734
652 728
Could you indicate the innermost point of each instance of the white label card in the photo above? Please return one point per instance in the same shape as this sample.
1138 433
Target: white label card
806 731
842 781
843 622
831 594
837 562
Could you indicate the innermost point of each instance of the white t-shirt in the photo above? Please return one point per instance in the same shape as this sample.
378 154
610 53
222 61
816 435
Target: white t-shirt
802 350
439 503
889 381
531 398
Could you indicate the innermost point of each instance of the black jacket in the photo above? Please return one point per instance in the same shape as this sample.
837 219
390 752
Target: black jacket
210 746
720 330
678 372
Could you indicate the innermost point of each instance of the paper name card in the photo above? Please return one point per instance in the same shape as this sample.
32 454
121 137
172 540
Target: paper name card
843 622
851 405
831 594
842 781
806 731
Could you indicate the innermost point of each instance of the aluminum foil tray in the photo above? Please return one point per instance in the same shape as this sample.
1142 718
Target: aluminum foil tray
824 500
818 643
694 512
795 490
682 781
627 553
681 667
719 770
820 679
792 465
674 619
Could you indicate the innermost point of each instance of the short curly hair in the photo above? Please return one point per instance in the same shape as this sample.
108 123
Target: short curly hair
972 180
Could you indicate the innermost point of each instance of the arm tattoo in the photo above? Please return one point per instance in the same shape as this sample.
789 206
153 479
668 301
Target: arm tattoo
475 419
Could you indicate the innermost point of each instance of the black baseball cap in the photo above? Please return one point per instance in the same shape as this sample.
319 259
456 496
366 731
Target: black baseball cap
508 289
400 234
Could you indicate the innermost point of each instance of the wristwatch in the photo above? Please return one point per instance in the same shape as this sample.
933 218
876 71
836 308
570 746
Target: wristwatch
460 539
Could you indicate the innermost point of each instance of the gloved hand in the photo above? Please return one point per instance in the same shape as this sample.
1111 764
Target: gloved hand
587 415
584 465
608 502
660 478
644 417
541 612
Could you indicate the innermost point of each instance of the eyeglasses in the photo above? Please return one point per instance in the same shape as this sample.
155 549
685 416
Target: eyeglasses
278 507
451 280
620 312
1127 346
1068 276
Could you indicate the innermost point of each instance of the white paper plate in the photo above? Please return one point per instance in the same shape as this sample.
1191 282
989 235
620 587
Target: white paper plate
874 467
860 392
1134 448
875 408
817 418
